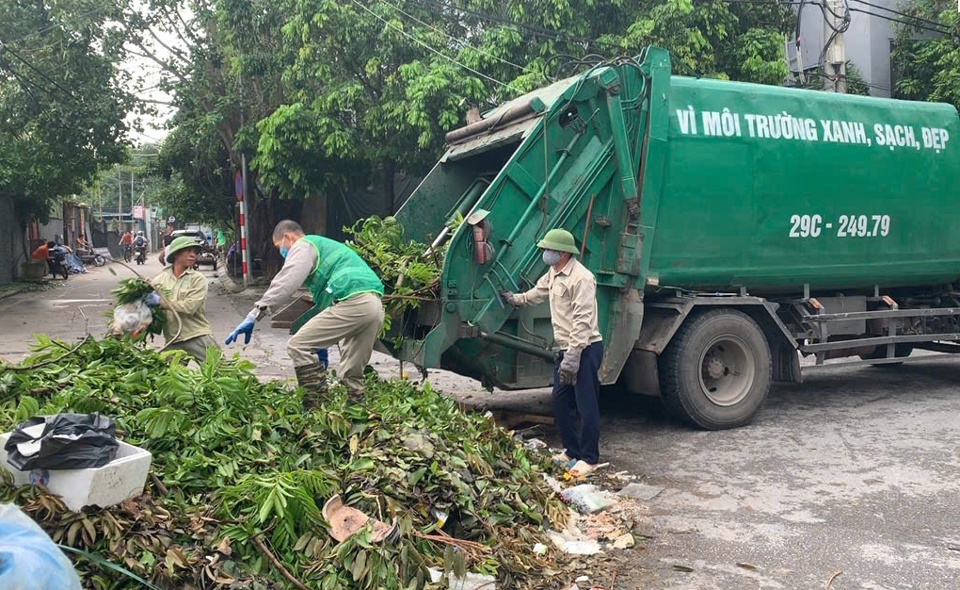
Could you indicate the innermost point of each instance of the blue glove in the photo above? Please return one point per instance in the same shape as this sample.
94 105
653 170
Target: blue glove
153 299
245 328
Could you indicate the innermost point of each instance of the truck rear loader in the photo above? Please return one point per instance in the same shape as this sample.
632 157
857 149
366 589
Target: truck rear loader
731 227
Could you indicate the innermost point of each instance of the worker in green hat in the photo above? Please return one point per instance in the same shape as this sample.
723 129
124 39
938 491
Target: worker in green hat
348 293
184 290
572 290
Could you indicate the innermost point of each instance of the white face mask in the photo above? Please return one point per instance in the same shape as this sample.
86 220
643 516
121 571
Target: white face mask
551 257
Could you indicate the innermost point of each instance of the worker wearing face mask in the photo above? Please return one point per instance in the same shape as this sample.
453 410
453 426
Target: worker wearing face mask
572 291
346 290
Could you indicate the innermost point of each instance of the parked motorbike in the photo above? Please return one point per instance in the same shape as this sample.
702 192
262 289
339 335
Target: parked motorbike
58 263
141 255
91 256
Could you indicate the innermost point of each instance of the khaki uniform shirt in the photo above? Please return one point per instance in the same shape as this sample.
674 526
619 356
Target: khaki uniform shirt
573 304
188 297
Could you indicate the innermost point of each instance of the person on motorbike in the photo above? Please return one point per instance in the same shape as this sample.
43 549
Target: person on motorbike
83 245
140 245
185 291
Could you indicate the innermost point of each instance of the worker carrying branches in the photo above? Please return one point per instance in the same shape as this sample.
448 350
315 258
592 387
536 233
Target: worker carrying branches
572 290
346 290
184 290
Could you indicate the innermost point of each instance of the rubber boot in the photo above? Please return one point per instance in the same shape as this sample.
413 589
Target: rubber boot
313 379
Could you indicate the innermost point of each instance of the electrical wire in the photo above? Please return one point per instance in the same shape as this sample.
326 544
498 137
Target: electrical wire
432 49
903 22
23 84
897 12
55 25
456 40
5 47
544 31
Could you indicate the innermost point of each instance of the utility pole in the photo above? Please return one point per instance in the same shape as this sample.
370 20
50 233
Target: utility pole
119 202
244 203
835 66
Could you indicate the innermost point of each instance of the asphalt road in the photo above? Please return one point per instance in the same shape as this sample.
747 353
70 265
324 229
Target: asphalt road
857 470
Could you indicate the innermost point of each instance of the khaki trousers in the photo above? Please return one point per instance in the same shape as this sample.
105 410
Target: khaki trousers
355 323
196 347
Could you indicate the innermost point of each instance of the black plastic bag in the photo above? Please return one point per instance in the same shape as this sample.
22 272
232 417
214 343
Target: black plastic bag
65 441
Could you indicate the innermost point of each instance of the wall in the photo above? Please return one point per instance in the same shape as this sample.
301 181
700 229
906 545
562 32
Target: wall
11 242
867 43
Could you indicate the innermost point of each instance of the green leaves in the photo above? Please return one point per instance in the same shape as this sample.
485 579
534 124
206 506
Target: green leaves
61 107
241 459
929 66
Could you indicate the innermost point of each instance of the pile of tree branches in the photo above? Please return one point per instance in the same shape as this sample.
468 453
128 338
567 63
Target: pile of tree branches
239 472
410 270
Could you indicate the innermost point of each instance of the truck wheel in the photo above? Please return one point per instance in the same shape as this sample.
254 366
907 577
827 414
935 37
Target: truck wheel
716 371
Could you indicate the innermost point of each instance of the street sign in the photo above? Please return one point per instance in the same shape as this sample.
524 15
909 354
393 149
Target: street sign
138 211
238 184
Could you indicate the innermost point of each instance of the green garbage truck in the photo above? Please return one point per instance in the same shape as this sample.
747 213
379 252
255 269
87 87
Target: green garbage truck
732 229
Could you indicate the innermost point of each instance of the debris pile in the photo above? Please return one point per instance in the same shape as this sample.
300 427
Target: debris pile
240 473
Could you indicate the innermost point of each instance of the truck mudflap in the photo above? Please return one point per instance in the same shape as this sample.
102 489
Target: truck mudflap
627 315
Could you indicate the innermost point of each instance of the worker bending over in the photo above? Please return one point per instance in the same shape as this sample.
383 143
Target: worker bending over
184 290
346 290
572 290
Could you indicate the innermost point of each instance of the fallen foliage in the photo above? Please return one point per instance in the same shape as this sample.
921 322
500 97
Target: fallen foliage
245 471
410 270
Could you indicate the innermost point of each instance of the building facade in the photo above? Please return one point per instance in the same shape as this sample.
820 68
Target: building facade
868 42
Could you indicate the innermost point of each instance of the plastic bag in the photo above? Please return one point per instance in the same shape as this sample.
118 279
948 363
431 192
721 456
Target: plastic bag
63 441
28 558
131 318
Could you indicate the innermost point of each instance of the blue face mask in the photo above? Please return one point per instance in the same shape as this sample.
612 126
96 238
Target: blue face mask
284 251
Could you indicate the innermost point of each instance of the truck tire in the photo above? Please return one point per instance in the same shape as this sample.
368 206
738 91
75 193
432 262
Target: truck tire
716 372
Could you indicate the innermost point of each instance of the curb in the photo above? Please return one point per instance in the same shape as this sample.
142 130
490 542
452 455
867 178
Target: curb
7 293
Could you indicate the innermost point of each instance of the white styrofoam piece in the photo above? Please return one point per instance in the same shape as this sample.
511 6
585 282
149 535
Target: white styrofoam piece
470 582
111 484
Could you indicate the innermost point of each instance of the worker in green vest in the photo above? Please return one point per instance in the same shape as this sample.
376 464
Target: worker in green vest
347 291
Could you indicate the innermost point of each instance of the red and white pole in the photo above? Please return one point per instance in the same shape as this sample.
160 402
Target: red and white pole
243 240
240 184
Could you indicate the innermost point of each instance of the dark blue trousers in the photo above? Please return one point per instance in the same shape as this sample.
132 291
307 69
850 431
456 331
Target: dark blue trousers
581 438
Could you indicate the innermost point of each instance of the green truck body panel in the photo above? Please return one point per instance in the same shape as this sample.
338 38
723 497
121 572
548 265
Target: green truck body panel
727 204
677 183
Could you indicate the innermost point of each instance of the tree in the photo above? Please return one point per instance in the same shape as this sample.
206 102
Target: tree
928 63
61 103
224 74
376 84
339 92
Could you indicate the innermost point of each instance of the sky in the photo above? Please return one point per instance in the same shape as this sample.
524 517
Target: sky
146 75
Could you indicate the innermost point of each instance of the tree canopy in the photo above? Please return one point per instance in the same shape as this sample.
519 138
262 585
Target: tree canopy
62 107
928 63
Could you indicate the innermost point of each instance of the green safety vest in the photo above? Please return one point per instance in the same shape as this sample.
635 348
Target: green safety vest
339 273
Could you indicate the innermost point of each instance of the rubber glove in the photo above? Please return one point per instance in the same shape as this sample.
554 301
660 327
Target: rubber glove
508 297
569 367
245 328
153 299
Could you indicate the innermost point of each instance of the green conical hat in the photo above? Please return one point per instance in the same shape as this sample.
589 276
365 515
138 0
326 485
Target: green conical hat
560 240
